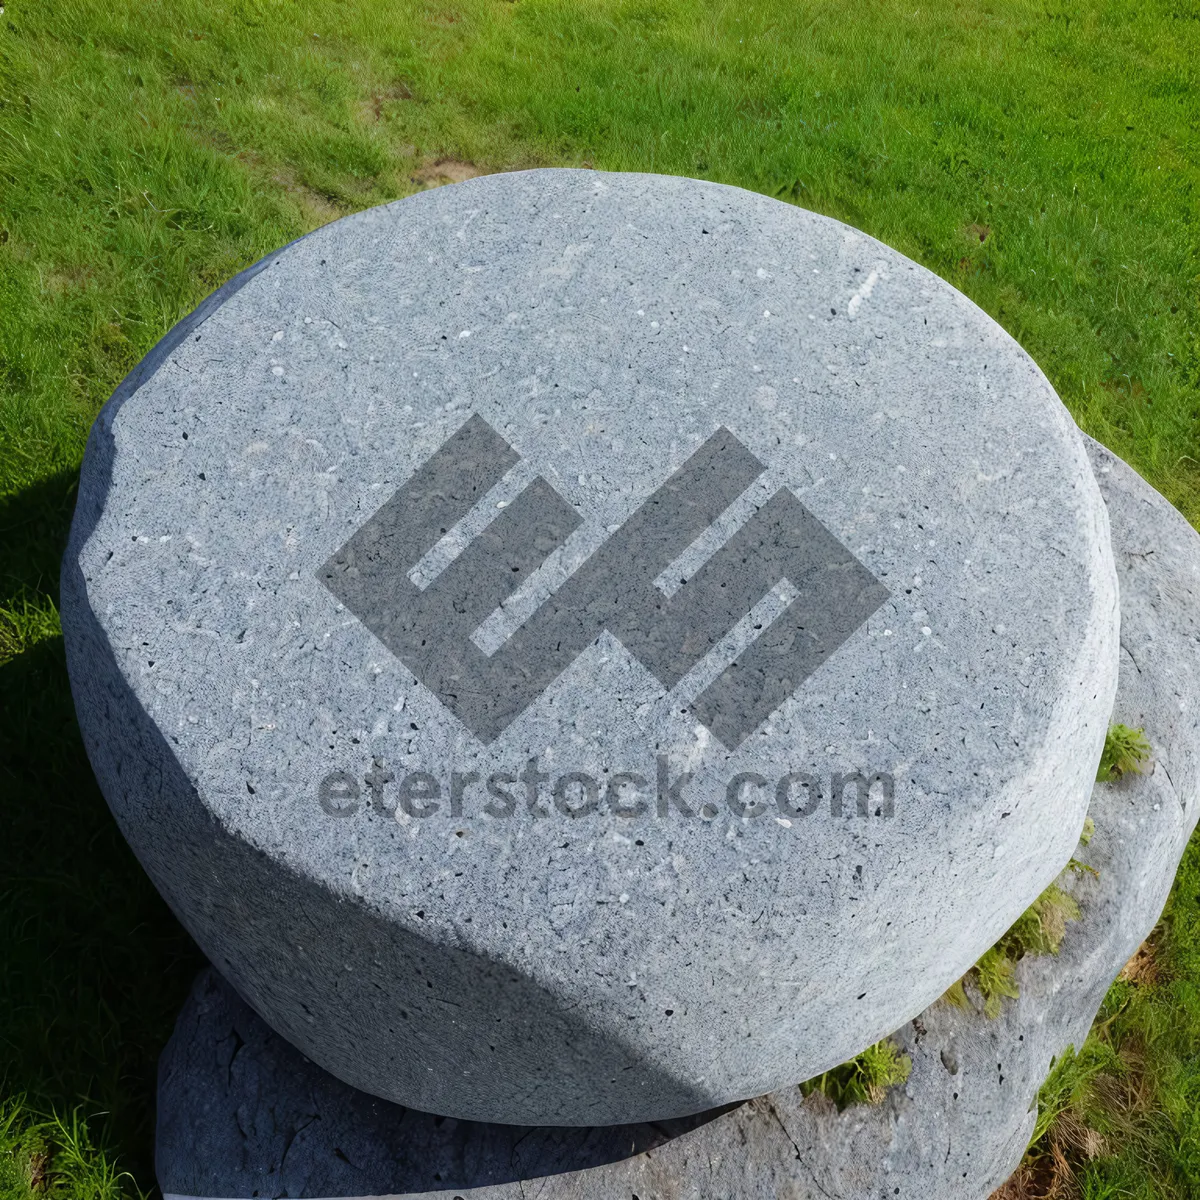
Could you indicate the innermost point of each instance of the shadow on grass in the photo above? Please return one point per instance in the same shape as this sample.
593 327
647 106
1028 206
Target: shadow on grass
33 532
95 967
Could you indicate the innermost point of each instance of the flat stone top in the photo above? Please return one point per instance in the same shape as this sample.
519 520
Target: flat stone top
623 476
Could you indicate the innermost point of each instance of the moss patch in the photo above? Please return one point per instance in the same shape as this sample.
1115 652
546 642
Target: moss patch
1125 750
865 1079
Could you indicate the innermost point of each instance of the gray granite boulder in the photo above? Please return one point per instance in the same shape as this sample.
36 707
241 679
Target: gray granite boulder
583 648
242 1113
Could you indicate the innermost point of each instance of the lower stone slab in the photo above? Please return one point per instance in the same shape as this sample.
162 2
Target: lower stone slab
243 1114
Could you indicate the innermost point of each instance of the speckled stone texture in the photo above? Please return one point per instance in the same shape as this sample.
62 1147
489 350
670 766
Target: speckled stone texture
775 798
242 1114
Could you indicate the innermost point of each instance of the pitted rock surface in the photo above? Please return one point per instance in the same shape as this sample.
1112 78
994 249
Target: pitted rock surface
583 648
241 1113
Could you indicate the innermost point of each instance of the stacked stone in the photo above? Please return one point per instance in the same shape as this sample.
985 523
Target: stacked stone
579 652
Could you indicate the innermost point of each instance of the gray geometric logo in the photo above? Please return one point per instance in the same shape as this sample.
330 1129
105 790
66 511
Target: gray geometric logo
429 629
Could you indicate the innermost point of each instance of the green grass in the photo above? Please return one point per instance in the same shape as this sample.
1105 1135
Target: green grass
1041 156
1125 750
1038 930
53 1158
1121 1118
865 1079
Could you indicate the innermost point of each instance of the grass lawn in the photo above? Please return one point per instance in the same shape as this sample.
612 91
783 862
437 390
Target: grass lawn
1043 157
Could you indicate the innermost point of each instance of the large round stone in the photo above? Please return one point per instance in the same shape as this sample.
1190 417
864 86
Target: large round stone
581 648
241 1113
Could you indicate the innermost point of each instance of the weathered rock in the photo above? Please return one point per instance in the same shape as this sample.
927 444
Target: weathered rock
241 1113
320 722
961 1124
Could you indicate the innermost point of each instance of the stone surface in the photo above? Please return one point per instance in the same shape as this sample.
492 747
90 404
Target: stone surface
241 1113
314 715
